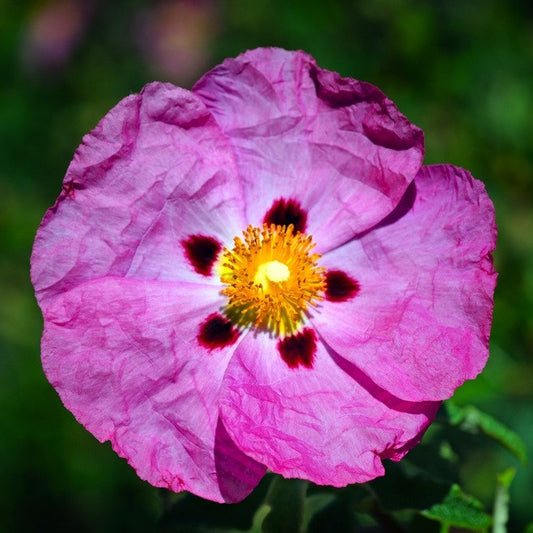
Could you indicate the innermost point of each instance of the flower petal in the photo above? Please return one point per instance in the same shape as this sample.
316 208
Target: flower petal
329 424
419 325
155 170
336 145
123 356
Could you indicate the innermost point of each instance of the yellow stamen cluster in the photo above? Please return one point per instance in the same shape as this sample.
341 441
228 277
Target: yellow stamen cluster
272 278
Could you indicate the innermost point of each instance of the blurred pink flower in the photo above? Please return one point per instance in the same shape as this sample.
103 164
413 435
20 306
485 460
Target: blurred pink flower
175 36
53 33
257 274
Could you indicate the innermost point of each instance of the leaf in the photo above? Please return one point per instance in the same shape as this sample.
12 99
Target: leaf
471 419
459 510
286 499
500 513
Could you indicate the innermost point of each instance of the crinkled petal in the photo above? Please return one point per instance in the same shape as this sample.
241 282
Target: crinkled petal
154 170
329 424
337 145
419 325
124 358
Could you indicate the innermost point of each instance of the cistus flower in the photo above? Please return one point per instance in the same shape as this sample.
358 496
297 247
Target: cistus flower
258 273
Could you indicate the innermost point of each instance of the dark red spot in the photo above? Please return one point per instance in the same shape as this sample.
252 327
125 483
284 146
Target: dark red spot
339 286
202 252
217 332
298 349
69 189
284 212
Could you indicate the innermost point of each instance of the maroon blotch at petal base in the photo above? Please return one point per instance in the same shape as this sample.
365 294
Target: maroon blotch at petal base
339 286
217 332
202 252
298 349
284 212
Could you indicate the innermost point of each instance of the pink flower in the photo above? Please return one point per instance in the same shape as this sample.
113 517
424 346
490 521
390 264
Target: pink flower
258 274
53 33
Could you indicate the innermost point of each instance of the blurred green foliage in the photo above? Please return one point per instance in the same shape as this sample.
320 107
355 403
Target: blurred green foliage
460 69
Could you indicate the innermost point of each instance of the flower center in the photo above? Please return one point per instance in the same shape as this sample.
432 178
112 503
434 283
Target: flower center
271 278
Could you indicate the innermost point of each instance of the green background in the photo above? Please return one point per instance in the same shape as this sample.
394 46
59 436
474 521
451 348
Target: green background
461 70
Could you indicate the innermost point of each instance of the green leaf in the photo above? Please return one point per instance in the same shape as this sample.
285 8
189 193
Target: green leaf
500 514
459 510
286 499
471 419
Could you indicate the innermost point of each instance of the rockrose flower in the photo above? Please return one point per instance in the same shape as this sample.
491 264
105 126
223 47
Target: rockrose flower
258 273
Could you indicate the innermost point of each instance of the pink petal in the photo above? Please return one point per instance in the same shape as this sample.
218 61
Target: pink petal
153 171
123 356
329 424
337 145
419 325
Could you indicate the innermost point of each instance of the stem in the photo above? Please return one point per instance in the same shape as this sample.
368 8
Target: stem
444 527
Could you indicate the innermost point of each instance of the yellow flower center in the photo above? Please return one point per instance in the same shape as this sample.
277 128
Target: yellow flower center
271 278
